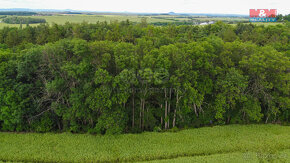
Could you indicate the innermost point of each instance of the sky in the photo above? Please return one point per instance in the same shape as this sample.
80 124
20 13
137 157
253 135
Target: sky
154 6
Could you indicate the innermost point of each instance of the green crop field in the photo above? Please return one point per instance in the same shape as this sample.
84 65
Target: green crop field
238 157
61 19
233 143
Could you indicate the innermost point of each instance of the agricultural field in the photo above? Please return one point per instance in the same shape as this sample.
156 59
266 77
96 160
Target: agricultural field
238 157
62 19
232 143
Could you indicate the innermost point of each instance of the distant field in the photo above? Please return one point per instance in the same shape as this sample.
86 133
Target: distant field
221 19
233 143
62 19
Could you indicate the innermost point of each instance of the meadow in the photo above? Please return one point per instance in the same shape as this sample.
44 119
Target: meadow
232 143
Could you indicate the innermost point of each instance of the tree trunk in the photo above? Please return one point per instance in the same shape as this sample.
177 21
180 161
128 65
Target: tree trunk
229 119
244 115
147 117
133 110
143 110
165 108
58 125
174 118
194 106
140 125
267 119
161 119
168 112
176 105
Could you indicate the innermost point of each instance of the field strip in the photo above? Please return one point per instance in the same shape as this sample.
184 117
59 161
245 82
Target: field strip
246 156
231 142
283 156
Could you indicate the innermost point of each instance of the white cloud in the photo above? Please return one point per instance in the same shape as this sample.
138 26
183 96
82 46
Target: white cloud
188 6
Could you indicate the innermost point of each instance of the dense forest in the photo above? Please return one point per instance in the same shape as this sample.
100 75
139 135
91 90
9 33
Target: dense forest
23 20
111 78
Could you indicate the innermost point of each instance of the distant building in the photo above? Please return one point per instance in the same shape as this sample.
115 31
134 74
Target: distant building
204 23
207 23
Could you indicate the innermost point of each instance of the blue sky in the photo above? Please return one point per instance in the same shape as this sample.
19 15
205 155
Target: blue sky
159 6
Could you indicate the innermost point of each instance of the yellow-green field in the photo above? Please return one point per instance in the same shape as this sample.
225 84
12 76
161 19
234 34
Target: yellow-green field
233 143
61 19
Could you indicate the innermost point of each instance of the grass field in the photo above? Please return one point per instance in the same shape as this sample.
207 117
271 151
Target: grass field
61 19
234 143
237 157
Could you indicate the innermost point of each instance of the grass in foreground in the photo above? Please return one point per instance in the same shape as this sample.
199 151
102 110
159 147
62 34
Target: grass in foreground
237 157
234 143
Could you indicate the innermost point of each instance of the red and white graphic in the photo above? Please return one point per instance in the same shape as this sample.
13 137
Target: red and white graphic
263 13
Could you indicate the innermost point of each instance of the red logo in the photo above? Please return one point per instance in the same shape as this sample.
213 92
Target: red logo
263 13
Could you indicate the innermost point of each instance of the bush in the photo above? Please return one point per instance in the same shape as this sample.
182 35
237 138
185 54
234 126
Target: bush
111 123
174 129
157 129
